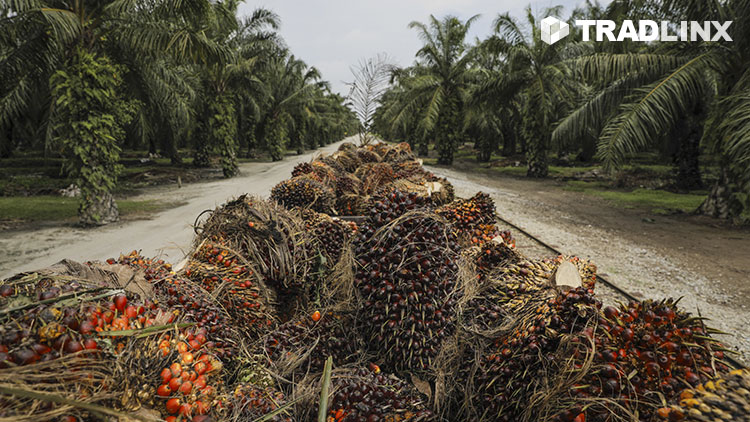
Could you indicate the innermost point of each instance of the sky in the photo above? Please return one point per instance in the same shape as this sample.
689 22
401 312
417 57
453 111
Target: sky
334 35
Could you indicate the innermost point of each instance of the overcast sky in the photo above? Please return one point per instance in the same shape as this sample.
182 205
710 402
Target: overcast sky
334 35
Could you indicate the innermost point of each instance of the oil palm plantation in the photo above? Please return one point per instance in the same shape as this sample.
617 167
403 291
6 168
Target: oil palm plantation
61 54
436 89
642 96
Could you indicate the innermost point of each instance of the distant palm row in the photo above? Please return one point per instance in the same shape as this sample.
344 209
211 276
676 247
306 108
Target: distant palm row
600 100
86 78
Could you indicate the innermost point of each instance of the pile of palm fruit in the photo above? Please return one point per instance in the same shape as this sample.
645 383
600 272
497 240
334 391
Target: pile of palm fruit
424 306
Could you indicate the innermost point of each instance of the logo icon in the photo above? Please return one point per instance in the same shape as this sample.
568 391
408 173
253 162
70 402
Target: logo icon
553 30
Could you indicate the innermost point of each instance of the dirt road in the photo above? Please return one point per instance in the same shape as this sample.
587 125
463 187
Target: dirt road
649 256
168 234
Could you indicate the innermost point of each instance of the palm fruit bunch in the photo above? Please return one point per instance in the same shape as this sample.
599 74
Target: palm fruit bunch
222 273
471 217
368 395
188 383
374 176
251 403
391 205
724 398
348 160
303 192
188 301
302 169
398 153
318 335
406 276
519 362
272 240
368 156
153 269
644 351
331 163
332 236
348 199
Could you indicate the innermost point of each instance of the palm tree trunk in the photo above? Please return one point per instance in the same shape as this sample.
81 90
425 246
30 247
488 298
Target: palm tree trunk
536 148
722 201
6 141
99 211
689 133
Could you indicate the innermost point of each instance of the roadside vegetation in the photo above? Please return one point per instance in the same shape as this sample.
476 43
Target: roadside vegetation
91 87
677 114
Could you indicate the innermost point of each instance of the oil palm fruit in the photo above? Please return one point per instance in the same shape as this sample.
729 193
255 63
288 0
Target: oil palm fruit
304 192
724 398
391 205
366 395
518 362
643 352
406 276
251 403
302 169
473 218
223 274
329 335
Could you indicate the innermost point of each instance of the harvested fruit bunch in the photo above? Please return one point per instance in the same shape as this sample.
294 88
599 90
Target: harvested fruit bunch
316 334
303 192
365 395
374 176
332 235
253 403
392 205
468 215
518 364
222 273
643 351
331 163
398 153
189 383
725 398
406 274
191 302
153 269
348 199
348 160
368 156
302 169
48 326
494 256
270 238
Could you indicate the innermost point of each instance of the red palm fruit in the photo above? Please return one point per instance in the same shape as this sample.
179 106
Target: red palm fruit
166 375
164 391
173 405
175 383
186 387
120 301
90 344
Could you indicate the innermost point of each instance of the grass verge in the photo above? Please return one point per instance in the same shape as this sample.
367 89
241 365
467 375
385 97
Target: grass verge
55 208
657 201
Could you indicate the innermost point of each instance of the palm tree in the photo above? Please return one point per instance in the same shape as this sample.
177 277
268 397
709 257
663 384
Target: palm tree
437 87
535 74
290 85
43 43
646 95
233 84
